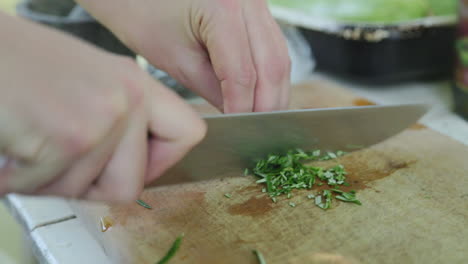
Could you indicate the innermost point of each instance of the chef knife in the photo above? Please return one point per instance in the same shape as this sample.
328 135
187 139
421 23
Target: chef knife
235 141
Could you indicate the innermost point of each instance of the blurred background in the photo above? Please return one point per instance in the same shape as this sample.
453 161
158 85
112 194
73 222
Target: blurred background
377 42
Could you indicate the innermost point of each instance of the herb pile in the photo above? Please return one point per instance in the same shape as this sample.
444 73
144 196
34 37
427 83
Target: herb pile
283 173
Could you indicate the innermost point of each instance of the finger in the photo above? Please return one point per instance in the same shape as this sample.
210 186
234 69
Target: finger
163 155
175 128
270 56
286 94
123 176
85 170
225 37
197 74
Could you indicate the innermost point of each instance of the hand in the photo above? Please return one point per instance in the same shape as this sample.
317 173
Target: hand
74 120
231 52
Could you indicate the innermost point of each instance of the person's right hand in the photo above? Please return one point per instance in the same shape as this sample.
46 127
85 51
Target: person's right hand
74 120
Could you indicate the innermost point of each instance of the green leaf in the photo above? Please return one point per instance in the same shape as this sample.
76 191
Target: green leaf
318 199
145 205
260 258
172 251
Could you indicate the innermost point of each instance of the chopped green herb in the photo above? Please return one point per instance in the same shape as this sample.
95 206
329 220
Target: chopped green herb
246 172
318 199
340 153
337 191
261 259
261 180
331 155
292 204
145 205
281 174
328 197
227 195
172 251
349 197
273 199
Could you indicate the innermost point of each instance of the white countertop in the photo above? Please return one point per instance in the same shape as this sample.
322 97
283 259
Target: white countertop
58 237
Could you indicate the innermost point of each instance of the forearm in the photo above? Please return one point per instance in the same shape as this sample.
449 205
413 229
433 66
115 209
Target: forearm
230 52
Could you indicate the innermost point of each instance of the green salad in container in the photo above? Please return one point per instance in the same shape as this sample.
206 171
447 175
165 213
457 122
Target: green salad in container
371 11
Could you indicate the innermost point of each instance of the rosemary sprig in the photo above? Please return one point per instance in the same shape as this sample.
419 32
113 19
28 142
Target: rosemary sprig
145 205
172 251
328 197
349 197
261 259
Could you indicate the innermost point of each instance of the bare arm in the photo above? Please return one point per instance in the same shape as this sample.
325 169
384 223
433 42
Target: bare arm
229 51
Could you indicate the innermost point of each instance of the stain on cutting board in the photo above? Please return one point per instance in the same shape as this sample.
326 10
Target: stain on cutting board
365 167
255 206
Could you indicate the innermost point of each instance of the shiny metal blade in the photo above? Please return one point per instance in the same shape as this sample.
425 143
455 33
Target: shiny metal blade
235 141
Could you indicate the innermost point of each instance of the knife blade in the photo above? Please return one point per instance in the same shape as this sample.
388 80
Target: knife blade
235 141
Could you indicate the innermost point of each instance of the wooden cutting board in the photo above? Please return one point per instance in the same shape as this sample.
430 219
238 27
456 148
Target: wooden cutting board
414 190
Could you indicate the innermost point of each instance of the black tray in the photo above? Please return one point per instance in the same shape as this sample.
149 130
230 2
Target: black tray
383 53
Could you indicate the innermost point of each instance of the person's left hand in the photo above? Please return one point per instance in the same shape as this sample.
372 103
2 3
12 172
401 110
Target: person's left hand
231 52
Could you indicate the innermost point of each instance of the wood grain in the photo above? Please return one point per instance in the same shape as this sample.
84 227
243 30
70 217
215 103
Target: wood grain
413 189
